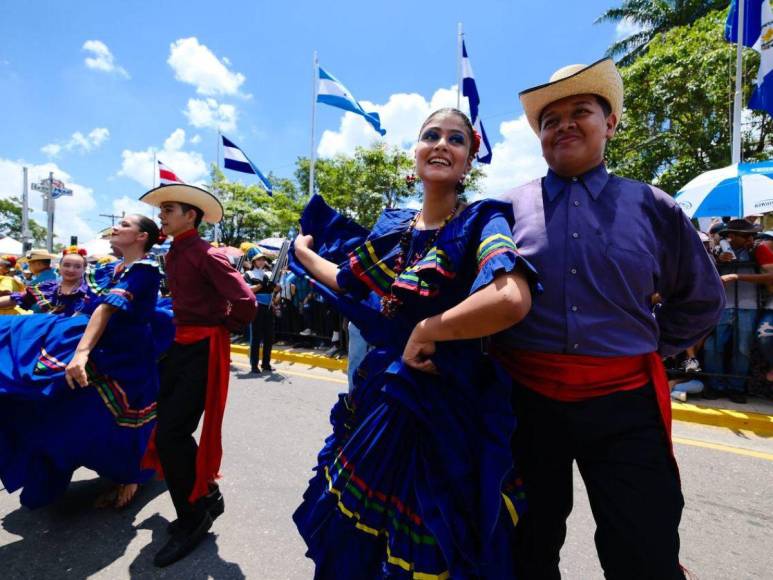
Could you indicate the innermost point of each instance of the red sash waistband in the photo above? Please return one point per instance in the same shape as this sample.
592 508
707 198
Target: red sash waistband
571 378
568 377
210 451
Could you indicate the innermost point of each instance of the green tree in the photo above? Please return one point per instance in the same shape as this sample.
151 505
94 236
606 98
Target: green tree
363 185
653 17
10 221
250 213
678 101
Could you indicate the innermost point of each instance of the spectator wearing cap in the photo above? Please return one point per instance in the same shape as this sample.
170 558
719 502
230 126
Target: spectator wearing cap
765 324
258 278
743 269
39 262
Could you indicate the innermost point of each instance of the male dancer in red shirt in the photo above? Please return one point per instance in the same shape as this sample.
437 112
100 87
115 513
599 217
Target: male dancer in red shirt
209 298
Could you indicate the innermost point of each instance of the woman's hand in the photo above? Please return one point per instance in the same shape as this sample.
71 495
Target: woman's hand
304 243
75 373
418 351
727 278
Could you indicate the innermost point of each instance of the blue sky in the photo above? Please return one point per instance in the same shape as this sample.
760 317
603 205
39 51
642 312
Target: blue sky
90 90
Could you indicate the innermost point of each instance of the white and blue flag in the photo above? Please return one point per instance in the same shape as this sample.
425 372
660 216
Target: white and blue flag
470 90
757 34
235 160
331 91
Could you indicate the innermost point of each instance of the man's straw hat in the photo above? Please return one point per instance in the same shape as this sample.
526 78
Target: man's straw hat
600 78
183 193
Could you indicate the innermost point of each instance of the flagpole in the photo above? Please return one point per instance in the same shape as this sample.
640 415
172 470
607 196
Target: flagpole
313 157
459 40
738 103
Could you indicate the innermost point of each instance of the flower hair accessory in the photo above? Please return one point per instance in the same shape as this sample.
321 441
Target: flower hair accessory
475 145
74 250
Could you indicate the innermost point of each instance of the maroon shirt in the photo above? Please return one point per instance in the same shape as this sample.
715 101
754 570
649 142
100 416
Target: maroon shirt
206 290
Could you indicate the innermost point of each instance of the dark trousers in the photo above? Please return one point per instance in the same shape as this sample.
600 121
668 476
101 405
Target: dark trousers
620 446
180 406
262 331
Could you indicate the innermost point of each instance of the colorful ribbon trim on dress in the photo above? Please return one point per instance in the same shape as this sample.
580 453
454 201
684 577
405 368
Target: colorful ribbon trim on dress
367 266
109 390
210 451
493 246
40 299
391 558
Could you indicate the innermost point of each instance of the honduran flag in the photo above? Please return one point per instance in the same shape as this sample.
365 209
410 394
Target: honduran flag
235 160
331 91
470 90
757 34
166 175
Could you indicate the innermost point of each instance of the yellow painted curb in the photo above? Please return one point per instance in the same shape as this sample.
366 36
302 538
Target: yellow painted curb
735 420
304 358
727 418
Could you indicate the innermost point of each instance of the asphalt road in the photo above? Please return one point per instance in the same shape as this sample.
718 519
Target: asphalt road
273 429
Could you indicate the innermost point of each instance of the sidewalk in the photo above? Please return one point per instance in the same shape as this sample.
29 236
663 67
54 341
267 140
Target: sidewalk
755 416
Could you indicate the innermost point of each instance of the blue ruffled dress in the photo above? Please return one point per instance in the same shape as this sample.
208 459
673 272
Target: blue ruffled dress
48 430
417 479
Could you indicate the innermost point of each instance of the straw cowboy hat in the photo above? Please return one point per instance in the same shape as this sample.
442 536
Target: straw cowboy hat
600 78
183 193
38 254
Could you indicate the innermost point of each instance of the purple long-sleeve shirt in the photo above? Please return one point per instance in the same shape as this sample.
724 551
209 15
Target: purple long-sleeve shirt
603 245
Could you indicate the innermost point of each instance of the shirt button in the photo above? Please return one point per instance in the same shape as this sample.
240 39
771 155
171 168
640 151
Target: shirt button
574 309
575 235
573 270
575 346
576 203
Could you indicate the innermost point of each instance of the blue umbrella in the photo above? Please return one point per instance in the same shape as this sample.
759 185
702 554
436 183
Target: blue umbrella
737 190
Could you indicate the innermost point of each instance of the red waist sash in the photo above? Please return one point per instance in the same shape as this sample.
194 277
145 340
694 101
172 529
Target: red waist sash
210 452
572 378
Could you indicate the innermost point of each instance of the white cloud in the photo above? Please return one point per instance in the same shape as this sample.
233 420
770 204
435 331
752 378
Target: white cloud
187 165
401 116
209 113
130 205
625 28
78 142
515 159
69 215
102 59
196 139
517 155
195 64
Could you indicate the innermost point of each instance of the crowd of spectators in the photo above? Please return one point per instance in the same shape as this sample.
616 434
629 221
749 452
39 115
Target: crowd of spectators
736 359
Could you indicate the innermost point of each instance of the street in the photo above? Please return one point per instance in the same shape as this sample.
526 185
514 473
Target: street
273 429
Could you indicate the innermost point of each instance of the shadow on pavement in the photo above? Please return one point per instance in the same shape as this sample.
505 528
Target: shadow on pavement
72 539
203 563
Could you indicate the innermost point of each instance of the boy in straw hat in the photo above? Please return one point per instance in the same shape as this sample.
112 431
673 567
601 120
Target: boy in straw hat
209 298
586 361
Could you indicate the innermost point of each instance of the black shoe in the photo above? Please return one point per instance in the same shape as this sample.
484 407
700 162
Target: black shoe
254 371
737 397
213 503
711 394
182 542
267 369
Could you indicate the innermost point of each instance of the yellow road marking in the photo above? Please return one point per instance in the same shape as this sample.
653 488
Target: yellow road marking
724 448
304 375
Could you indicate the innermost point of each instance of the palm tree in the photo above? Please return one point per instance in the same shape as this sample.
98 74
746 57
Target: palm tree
650 18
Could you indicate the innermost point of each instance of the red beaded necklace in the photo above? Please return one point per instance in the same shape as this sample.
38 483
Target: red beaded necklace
390 304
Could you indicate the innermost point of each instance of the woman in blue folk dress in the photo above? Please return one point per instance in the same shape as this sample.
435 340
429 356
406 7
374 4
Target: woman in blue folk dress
80 391
417 480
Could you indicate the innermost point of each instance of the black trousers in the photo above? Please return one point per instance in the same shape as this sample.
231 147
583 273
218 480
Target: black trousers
181 401
262 331
621 450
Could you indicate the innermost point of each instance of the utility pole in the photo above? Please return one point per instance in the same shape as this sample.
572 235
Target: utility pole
26 243
50 206
112 217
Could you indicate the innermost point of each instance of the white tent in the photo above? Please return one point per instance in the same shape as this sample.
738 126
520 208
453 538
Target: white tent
10 246
97 247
